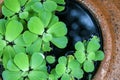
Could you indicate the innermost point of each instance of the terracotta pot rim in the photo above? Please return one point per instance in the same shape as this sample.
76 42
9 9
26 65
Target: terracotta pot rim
107 34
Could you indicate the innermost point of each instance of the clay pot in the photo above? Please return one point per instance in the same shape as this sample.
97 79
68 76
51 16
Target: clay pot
107 13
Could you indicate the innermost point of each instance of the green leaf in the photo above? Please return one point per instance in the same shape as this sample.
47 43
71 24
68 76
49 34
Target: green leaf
47 37
79 46
20 42
22 61
37 7
91 56
50 59
2 26
37 75
76 71
22 2
35 47
60 69
42 16
13 30
8 75
23 15
8 53
59 1
46 46
62 60
60 8
65 77
80 56
99 55
88 66
60 42
93 45
58 29
36 60
29 37
35 25
13 6
6 12
11 66
19 49
47 6
54 19
2 44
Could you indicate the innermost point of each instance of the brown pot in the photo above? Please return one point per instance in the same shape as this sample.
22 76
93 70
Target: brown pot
107 13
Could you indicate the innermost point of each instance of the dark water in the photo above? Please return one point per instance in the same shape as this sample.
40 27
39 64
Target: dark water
82 25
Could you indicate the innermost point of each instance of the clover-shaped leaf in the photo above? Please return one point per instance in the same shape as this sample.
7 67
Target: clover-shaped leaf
80 56
11 66
79 46
6 12
23 15
19 49
50 59
93 45
13 6
60 42
13 30
37 75
35 47
11 75
47 5
2 26
35 25
58 29
88 66
22 61
99 55
42 16
29 37
60 69
36 60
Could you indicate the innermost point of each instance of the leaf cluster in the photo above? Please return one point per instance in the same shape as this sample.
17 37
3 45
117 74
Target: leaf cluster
28 30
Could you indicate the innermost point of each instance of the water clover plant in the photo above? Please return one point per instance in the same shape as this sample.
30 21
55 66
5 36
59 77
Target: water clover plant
28 31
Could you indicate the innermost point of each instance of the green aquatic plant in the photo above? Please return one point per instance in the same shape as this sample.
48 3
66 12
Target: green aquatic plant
27 31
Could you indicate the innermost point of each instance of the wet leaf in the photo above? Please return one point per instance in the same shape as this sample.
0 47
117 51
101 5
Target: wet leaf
29 37
80 56
11 75
35 25
6 12
79 46
19 49
60 69
36 60
88 66
23 15
47 5
13 6
47 37
91 56
62 60
58 29
22 61
99 55
11 66
60 42
37 7
50 59
13 30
